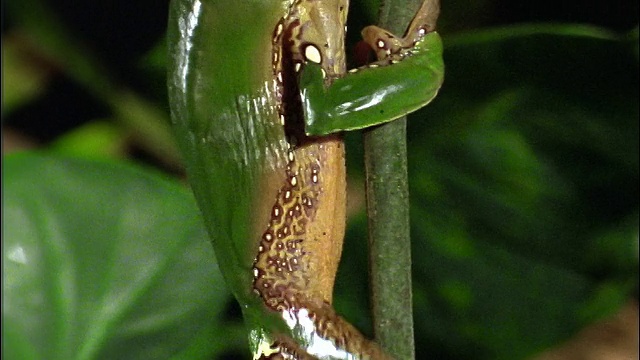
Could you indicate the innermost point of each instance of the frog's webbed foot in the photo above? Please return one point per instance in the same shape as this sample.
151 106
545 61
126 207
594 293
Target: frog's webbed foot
407 76
320 334
286 349
385 44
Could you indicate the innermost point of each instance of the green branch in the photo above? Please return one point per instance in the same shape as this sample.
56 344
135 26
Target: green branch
388 213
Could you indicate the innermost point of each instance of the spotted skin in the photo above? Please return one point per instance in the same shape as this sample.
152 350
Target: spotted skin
282 267
299 250
306 228
290 187
301 245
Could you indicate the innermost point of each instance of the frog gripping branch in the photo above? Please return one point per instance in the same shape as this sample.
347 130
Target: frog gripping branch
259 94
406 77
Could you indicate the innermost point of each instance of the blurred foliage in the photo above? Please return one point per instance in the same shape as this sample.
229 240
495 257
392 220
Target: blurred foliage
524 184
103 260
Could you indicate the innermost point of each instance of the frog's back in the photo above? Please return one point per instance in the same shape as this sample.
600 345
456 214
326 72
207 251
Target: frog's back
234 139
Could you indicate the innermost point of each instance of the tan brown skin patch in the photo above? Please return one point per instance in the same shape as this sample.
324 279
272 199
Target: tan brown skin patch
300 249
300 246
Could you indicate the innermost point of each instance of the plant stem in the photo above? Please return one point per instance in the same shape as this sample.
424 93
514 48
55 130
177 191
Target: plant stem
389 241
388 213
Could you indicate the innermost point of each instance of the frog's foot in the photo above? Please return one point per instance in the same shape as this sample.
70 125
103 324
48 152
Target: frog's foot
387 45
320 334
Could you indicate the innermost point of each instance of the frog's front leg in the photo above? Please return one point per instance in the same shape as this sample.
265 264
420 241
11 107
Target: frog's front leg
407 76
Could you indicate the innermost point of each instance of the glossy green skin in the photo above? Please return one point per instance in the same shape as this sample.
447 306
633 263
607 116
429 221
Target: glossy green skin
372 95
226 123
224 109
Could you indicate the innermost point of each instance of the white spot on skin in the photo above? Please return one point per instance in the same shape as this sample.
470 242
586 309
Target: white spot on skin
287 195
303 322
268 237
281 119
311 53
279 76
381 44
255 273
291 156
314 178
294 181
297 67
422 31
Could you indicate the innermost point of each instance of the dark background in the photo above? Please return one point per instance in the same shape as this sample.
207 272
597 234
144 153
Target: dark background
121 32
125 42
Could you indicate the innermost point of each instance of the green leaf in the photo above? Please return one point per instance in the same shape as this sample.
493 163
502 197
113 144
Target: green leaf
97 139
104 261
523 163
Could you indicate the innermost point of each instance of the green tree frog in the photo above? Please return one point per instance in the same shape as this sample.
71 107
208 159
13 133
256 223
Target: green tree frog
259 95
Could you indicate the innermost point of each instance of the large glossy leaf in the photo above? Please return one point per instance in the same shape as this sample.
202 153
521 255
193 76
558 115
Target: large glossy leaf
105 261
